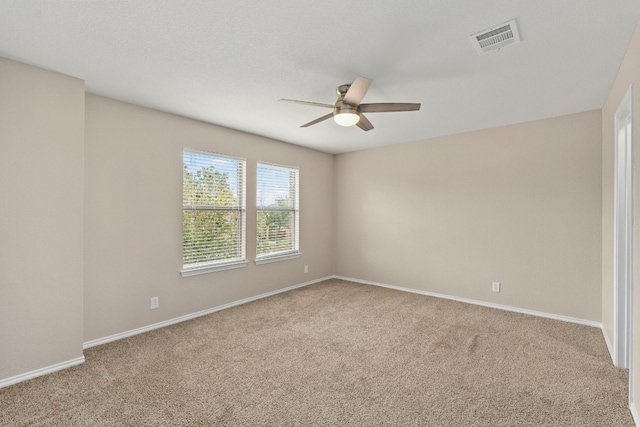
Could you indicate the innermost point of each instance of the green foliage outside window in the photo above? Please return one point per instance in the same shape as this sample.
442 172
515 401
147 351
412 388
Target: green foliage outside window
275 228
209 234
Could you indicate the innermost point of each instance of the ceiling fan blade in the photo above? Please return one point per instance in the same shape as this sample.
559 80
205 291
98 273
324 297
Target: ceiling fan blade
364 123
357 91
314 104
318 120
385 107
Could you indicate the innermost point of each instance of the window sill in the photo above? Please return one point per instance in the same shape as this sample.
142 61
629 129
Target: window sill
276 258
210 268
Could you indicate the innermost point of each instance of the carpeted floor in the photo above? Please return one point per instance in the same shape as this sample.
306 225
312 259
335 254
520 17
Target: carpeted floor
337 354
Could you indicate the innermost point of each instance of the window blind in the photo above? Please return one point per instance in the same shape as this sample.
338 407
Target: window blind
277 206
213 199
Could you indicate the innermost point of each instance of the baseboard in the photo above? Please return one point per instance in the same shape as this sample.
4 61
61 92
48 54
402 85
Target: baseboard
175 320
608 342
477 302
634 413
40 372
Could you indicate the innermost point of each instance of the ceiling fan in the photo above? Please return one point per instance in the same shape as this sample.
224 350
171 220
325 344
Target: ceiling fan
347 111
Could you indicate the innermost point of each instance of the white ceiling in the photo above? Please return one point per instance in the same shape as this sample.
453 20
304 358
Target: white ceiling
228 62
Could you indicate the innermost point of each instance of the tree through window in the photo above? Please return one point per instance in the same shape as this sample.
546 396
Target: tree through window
213 199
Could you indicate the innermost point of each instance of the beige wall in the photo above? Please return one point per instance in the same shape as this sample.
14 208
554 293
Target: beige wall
519 204
133 217
41 193
628 74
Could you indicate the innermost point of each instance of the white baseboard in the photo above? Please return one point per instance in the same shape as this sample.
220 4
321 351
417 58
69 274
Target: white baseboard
162 324
634 413
40 372
609 345
482 303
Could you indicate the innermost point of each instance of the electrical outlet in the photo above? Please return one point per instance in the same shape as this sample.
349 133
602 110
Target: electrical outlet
496 287
155 303
306 269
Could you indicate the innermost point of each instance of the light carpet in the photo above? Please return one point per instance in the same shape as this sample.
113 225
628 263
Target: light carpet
337 353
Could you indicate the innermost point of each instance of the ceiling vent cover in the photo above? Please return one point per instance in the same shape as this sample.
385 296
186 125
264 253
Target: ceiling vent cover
496 38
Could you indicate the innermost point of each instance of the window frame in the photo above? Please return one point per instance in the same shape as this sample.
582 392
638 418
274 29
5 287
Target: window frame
294 209
228 263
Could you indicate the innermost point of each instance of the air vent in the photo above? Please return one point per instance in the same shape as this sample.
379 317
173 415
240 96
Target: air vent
496 38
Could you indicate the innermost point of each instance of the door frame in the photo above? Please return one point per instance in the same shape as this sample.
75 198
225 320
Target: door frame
623 235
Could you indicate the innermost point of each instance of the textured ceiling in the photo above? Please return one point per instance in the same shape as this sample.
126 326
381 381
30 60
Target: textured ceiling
228 62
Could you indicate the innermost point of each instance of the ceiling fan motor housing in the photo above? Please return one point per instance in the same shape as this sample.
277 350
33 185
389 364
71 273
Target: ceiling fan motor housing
342 108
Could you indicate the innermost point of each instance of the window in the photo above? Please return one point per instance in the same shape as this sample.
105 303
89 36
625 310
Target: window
278 223
213 215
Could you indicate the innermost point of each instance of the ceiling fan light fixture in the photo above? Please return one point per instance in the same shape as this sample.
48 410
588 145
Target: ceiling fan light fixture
346 119
346 114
